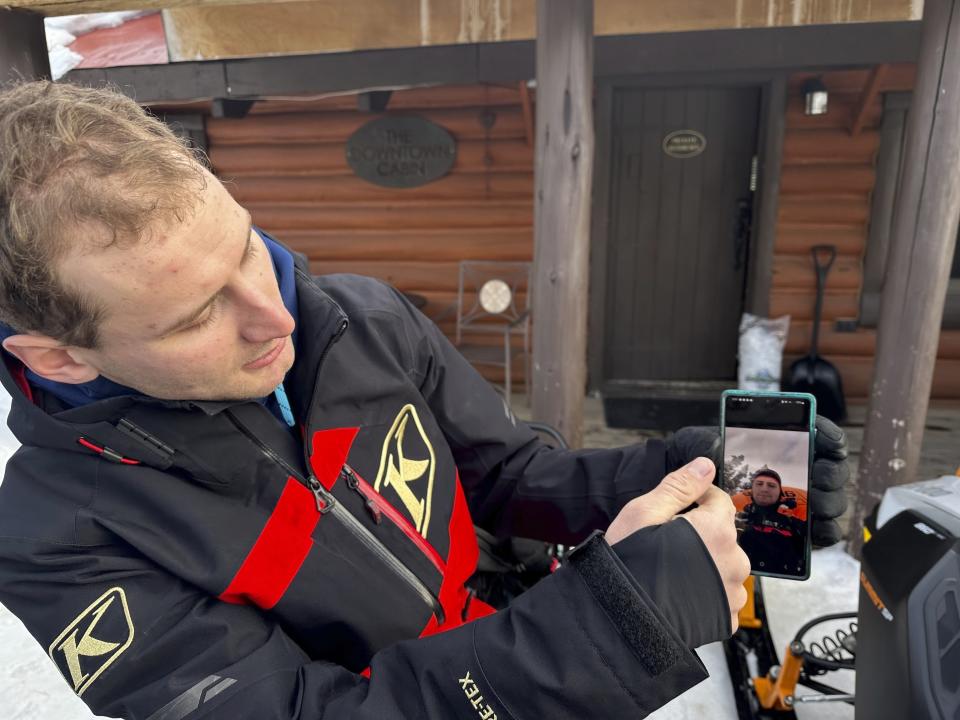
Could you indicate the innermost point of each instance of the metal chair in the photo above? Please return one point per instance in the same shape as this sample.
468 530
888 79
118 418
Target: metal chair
493 298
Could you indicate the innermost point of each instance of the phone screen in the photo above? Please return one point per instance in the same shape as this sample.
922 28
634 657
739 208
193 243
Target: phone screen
766 470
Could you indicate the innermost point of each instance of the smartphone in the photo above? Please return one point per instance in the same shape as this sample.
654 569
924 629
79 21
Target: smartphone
767 460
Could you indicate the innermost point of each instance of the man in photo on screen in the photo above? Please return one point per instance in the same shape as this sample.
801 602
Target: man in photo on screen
770 533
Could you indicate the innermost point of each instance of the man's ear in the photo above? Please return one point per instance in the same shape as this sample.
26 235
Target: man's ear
50 359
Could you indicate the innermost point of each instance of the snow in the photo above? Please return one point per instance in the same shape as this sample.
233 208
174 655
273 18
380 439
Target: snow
58 37
833 587
32 688
81 24
30 685
62 61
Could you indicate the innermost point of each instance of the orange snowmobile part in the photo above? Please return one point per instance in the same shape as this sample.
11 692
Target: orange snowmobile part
774 688
748 613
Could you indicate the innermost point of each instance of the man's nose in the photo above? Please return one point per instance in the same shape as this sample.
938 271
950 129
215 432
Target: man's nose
263 317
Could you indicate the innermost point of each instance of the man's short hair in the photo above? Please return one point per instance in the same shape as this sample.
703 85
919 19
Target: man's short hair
767 472
78 164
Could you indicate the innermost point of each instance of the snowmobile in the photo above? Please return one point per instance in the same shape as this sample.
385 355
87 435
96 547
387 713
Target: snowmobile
903 641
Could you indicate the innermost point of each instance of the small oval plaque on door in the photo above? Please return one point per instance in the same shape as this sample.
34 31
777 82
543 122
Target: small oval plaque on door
684 144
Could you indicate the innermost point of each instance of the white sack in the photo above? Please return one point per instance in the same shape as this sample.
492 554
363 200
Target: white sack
761 351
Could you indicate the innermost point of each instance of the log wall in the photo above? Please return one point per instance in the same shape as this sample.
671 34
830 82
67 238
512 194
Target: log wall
286 163
825 193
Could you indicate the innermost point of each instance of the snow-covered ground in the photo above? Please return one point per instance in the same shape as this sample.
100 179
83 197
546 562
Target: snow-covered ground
31 688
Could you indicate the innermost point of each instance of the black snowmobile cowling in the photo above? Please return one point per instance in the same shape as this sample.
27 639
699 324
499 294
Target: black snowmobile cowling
908 640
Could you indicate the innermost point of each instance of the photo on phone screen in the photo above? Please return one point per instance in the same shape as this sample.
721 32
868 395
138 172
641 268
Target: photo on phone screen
766 458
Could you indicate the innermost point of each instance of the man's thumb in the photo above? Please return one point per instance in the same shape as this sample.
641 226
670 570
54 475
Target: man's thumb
677 491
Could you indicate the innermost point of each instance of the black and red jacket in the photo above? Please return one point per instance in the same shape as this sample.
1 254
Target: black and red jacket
183 559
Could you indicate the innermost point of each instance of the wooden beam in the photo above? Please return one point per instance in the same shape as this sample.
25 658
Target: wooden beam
653 56
768 49
23 46
867 98
527 107
563 174
924 235
156 83
362 69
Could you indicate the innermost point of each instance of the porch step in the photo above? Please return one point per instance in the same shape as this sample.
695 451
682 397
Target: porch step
664 406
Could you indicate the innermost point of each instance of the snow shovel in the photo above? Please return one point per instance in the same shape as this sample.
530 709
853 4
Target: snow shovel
813 374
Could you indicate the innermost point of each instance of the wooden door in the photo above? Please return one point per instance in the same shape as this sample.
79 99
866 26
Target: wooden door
680 208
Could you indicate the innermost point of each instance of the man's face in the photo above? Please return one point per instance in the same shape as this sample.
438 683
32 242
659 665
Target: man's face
160 333
765 490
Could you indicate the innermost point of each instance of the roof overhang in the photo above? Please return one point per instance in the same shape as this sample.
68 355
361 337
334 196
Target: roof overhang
661 54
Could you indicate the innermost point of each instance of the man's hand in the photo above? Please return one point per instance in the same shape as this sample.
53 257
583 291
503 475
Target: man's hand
827 496
713 520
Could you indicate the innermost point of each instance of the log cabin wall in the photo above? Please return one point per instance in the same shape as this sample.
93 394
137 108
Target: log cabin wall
286 162
827 178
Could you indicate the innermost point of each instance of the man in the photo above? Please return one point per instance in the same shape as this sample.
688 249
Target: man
771 536
245 492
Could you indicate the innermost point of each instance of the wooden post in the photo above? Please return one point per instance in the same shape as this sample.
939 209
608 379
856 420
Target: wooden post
23 46
563 178
924 234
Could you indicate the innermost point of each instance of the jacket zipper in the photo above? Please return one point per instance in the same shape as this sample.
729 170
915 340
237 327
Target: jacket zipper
327 504
378 507
341 329
353 482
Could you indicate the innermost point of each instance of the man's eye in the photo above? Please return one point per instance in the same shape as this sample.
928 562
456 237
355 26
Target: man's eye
208 320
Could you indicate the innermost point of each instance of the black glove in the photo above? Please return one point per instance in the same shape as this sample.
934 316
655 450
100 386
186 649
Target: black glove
827 498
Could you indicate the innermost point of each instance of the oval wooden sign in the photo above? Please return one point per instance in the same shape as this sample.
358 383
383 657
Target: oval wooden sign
401 151
684 143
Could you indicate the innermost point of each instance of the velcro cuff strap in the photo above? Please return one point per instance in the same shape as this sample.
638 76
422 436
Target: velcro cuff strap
626 605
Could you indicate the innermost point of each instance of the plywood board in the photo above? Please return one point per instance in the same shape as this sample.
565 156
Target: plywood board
208 30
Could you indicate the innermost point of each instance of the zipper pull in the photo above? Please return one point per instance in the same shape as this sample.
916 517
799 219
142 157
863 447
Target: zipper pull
374 511
354 484
324 501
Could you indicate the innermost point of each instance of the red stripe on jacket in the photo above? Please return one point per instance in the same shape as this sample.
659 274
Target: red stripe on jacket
461 564
19 372
329 452
285 541
279 552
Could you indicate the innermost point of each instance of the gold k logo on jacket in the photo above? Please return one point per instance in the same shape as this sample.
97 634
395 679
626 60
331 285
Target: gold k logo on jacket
407 466
94 640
